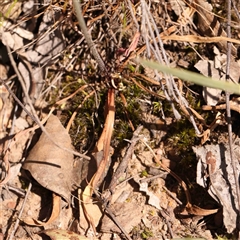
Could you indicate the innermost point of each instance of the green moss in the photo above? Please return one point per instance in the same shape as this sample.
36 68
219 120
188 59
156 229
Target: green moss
157 107
147 233
132 112
24 183
180 139
131 68
144 173
89 121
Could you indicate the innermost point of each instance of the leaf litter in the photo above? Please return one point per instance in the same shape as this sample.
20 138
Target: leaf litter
52 167
131 194
221 185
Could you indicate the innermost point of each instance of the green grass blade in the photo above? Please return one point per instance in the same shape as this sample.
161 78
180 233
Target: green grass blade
192 77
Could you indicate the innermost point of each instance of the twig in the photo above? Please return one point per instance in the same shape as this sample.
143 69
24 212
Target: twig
34 115
132 14
124 163
171 195
148 179
20 213
18 191
114 219
18 101
171 90
109 212
233 105
183 184
235 9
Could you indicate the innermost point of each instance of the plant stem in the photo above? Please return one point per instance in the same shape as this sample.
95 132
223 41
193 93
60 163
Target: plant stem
88 37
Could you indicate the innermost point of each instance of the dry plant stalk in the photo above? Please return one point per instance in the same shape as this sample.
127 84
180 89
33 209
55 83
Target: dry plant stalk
103 144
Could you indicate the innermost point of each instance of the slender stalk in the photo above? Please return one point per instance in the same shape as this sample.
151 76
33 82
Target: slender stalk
87 36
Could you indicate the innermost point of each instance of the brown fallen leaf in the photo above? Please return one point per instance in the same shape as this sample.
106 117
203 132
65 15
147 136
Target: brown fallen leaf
208 24
51 166
55 213
222 187
195 210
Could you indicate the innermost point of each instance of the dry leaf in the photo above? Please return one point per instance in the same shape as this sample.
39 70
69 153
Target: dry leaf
222 187
47 46
54 215
51 166
30 76
217 69
18 146
94 211
195 210
208 23
177 6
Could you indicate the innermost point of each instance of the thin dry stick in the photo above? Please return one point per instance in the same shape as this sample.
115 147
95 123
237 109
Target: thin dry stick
233 106
109 211
132 13
235 9
228 110
172 195
20 213
34 115
183 184
124 163
160 54
114 219
17 100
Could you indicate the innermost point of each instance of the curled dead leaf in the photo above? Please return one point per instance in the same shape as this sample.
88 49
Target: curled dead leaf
51 166
55 213
195 210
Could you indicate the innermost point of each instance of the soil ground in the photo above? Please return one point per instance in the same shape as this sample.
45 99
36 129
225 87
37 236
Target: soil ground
97 146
